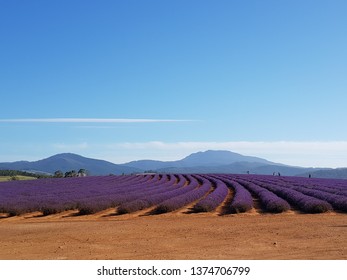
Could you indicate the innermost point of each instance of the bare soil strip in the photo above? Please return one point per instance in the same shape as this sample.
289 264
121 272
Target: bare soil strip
174 236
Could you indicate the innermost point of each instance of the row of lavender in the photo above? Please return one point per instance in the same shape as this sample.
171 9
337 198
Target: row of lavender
308 195
165 193
88 195
93 194
278 194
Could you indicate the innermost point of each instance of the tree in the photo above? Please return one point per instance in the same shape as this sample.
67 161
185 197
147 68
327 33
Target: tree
82 173
14 178
58 174
71 173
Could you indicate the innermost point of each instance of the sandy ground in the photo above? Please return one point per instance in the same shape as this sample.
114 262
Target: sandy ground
174 236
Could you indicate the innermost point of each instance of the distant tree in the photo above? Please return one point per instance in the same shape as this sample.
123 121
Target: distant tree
58 174
13 173
82 172
16 173
71 173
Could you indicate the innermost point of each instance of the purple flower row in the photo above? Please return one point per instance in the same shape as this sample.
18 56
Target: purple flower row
337 201
215 198
170 192
331 195
179 201
269 201
305 203
128 194
242 199
156 198
56 195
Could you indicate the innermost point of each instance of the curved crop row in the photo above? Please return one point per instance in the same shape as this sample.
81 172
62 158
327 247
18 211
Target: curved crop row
130 193
56 195
269 201
331 186
179 201
242 200
148 201
214 199
168 192
338 202
316 191
305 203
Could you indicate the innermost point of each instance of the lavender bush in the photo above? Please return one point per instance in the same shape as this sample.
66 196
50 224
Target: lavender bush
179 201
303 202
214 199
269 201
242 200
168 192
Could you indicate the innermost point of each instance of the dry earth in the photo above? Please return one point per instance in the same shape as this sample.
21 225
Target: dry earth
174 236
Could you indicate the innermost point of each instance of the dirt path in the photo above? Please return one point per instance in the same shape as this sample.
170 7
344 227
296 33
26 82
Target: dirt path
175 236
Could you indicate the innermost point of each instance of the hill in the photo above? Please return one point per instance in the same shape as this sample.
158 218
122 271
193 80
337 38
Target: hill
215 158
200 159
200 162
338 173
218 162
66 162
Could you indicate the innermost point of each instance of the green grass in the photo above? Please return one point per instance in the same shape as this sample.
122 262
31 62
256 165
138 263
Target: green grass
18 177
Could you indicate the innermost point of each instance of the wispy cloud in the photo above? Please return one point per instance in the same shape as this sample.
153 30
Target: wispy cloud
89 120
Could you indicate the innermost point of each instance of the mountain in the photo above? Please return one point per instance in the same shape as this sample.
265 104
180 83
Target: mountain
222 162
67 162
242 168
338 173
207 159
215 158
200 162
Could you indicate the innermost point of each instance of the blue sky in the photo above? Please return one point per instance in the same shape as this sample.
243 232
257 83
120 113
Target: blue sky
263 78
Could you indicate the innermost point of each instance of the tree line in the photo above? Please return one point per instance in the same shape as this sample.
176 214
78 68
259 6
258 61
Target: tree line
13 173
57 174
72 173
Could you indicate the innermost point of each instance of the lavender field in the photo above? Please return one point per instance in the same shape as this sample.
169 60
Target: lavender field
161 193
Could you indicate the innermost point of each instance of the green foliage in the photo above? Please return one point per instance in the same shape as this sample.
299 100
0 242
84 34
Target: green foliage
16 173
71 173
58 174
11 175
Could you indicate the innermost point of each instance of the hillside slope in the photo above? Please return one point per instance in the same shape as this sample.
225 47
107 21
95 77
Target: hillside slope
67 162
